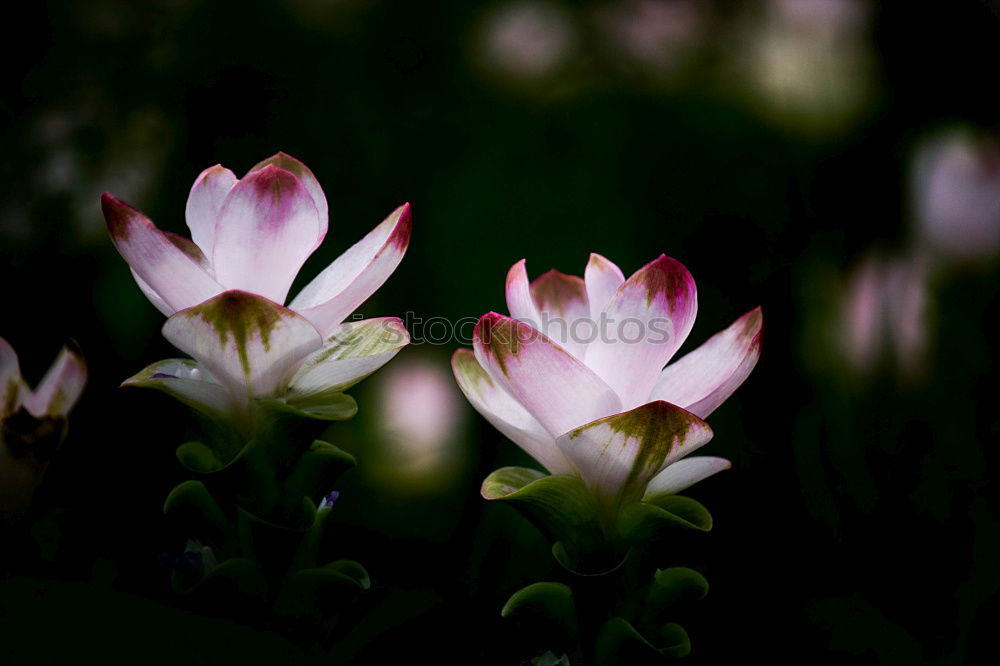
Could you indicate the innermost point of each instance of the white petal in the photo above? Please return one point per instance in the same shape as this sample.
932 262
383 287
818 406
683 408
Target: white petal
506 414
649 317
355 275
354 351
564 310
204 205
603 279
617 456
62 385
305 175
267 229
555 387
520 304
170 266
248 343
11 385
685 473
703 379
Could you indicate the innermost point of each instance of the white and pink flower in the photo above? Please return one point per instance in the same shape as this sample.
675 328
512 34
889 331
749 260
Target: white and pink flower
605 405
224 289
33 422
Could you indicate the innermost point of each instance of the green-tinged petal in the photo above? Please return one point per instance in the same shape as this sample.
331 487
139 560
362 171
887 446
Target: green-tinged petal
618 455
354 351
683 474
248 343
186 381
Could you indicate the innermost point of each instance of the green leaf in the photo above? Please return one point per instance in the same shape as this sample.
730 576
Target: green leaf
643 520
198 458
619 642
192 505
550 659
553 601
672 585
673 640
591 562
317 470
352 570
234 577
320 590
560 506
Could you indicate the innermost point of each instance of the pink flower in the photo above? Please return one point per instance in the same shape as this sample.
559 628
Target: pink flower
224 290
577 379
54 396
33 422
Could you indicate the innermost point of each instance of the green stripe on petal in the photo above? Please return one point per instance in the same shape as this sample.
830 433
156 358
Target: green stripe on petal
248 343
354 351
618 455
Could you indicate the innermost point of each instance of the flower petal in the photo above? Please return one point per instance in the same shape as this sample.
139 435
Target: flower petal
703 379
355 275
603 279
306 177
170 266
555 387
683 474
354 351
248 343
267 228
649 317
617 456
204 204
520 303
186 381
62 385
11 384
506 414
565 312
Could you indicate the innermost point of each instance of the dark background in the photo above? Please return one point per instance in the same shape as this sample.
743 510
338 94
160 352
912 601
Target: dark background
858 523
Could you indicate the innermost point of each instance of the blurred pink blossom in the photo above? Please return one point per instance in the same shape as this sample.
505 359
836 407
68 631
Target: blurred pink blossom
956 192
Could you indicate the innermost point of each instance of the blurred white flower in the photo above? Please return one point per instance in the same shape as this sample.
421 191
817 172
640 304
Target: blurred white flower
956 196
810 62
527 40
420 417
